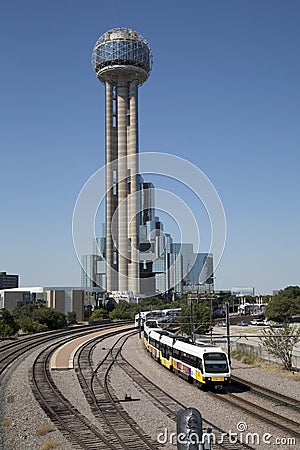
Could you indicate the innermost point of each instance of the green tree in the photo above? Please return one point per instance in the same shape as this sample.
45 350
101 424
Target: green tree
280 343
285 304
291 292
35 317
99 314
8 325
156 302
201 318
123 310
52 318
71 318
148 303
24 311
28 325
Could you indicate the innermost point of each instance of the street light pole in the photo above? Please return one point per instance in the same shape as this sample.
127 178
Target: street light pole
211 314
192 322
228 332
140 324
211 327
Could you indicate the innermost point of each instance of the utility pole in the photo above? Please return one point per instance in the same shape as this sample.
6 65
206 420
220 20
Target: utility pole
140 324
228 332
211 296
190 298
211 314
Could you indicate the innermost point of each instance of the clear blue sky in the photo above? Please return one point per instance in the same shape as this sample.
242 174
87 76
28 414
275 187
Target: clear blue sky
223 94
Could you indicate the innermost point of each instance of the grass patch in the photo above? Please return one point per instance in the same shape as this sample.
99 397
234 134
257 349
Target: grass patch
49 445
42 430
6 422
245 358
267 366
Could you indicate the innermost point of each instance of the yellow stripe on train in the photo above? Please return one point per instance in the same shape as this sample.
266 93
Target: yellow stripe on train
165 362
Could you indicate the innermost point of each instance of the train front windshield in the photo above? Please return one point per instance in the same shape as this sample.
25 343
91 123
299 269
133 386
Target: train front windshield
215 362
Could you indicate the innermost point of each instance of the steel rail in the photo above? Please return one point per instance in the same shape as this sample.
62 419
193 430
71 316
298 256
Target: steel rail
284 400
263 414
105 405
171 406
64 415
11 352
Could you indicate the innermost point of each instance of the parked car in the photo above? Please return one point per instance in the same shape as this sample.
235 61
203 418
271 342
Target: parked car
242 323
222 323
257 322
278 325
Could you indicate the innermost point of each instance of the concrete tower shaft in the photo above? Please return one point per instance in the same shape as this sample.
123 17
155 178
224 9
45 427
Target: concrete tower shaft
122 61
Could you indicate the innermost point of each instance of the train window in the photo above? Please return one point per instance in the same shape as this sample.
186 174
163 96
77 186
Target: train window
193 361
176 354
153 342
190 359
168 352
200 365
215 362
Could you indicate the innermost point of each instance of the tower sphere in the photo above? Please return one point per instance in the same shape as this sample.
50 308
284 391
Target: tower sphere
122 52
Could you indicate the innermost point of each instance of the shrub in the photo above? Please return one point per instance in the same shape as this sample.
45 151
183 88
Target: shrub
42 430
99 314
6 422
49 445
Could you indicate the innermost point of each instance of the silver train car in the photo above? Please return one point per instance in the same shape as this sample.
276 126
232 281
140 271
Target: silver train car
162 315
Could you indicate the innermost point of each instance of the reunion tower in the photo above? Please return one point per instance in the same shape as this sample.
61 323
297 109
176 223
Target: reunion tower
122 61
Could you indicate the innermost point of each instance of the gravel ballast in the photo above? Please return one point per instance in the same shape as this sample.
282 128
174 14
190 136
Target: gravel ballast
23 419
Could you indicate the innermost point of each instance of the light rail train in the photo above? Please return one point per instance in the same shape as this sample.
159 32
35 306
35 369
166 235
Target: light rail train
162 315
200 363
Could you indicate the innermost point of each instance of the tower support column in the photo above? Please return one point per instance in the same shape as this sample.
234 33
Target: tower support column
109 186
133 267
122 106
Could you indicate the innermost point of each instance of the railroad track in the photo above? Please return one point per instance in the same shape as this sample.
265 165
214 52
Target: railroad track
115 421
269 394
263 414
12 351
74 425
62 413
170 406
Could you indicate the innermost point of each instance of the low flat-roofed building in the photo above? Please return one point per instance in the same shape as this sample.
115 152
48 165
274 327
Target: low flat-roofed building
11 299
55 299
243 291
77 299
63 299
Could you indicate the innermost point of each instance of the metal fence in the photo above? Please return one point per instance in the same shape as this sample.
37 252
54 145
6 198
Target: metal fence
248 349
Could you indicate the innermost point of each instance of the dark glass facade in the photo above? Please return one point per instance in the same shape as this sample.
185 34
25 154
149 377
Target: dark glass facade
8 281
